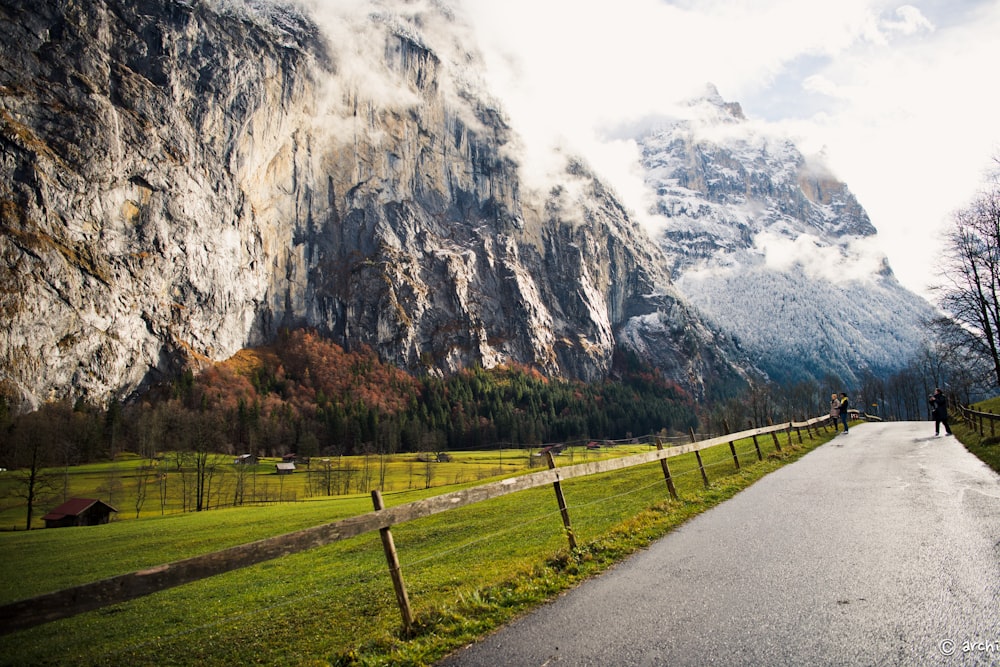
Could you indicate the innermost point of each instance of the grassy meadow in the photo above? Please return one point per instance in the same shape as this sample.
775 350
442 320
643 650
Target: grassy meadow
467 571
143 488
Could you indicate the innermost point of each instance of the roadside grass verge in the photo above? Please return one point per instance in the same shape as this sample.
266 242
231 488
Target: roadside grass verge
986 448
468 571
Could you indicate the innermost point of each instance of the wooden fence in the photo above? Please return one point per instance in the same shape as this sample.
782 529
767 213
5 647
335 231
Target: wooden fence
977 420
114 590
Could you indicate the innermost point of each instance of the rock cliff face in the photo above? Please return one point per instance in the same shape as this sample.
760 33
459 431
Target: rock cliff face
182 178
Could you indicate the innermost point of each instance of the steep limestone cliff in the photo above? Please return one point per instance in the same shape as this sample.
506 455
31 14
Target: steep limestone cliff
181 178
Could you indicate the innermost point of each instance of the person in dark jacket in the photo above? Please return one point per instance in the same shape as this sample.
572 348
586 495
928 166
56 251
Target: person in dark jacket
843 410
939 411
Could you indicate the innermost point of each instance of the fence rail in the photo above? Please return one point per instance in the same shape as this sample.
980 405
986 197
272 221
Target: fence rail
976 419
68 602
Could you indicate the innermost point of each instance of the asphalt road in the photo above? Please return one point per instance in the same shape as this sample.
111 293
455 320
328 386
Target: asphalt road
881 547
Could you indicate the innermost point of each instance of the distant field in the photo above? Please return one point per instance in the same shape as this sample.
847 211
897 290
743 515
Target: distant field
120 483
467 570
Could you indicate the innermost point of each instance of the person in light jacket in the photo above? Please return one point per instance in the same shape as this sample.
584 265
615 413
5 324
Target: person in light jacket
834 410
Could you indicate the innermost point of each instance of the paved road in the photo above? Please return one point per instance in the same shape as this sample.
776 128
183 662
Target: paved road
881 547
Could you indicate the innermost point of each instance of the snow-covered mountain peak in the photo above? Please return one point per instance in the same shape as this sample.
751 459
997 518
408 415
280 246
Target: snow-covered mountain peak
711 106
758 235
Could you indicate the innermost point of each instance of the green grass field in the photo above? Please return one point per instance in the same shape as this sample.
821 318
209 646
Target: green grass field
987 446
467 570
119 483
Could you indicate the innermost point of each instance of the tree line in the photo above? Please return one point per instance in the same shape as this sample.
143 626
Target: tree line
308 396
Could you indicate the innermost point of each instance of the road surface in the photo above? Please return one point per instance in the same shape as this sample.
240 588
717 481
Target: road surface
881 547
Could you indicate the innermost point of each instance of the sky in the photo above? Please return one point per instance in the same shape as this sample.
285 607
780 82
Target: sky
900 99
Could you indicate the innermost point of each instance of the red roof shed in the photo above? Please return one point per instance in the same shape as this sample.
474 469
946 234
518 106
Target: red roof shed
79 512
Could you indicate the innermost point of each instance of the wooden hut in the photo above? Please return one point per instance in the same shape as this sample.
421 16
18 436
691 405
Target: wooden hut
79 512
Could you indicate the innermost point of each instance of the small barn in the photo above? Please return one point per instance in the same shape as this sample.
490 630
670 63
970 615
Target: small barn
284 468
79 512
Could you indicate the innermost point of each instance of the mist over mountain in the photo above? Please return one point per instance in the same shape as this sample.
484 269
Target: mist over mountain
775 251
184 178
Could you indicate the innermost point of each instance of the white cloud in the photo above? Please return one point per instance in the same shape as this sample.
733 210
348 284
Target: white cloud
858 260
817 83
911 133
897 96
910 22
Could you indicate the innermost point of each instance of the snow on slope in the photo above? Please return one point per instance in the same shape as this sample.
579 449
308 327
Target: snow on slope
776 251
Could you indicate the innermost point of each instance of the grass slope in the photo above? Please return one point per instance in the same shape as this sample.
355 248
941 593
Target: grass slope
987 446
467 571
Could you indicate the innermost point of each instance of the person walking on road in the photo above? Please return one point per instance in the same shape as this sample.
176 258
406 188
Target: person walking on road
939 411
843 410
834 410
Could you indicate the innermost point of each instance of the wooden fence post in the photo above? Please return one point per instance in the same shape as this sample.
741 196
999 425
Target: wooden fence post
697 454
563 509
993 422
798 431
666 472
732 445
774 435
756 445
397 576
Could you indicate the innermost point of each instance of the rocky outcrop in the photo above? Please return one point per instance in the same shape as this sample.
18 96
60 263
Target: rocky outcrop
182 178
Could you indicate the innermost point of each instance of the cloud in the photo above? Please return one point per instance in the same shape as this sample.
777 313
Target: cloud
817 83
910 128
894 95
911 21
856 260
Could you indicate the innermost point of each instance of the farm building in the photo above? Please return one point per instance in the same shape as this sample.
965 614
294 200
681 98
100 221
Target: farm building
285 468
79 512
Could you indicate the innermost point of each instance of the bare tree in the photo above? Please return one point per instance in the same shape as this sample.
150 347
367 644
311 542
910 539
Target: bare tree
906 397
760 403
203 442
872 395
241 471
970 291
161 486
147 470
31 451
